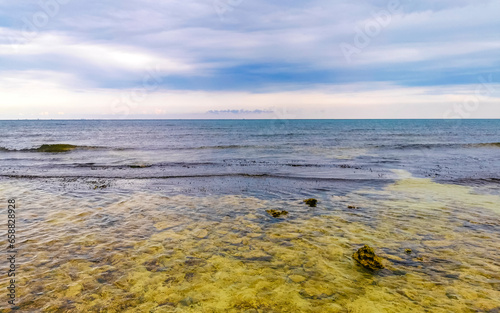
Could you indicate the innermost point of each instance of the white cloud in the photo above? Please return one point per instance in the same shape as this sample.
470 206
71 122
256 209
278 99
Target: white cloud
346 101
94 44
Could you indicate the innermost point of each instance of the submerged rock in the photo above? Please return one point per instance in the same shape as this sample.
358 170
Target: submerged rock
311 202
408 251
367 258
277 213
140 166
352 207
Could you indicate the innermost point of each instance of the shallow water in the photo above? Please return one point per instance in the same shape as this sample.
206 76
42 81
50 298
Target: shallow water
170 216
101 251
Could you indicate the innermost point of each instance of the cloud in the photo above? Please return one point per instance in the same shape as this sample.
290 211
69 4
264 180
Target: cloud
245 112
100 49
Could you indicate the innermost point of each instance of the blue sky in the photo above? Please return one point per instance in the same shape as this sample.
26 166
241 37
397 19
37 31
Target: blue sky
249 59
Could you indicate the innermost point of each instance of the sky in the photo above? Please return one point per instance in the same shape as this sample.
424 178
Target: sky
70 59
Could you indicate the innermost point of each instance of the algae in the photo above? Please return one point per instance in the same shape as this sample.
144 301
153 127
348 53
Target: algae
56 148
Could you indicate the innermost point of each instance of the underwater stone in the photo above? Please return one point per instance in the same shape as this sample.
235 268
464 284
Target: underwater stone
408 251
352 207
140 166
311 202
276 213
367 258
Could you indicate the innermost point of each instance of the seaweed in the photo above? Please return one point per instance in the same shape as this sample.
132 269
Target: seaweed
57 148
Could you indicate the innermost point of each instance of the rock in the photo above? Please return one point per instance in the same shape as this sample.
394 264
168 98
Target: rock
352 207
277 213
140 166
367 258
311 202
408 251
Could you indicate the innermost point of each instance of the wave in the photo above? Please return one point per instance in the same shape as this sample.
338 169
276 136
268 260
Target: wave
471 181
59 148
52 148
219 147
222 163
487 145
246 175
414 146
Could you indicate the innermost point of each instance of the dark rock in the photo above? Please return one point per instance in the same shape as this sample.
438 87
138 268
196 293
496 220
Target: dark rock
277 213
139 166
367 258
311 202
408 251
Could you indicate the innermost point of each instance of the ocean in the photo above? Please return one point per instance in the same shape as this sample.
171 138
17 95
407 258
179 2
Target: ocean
171 215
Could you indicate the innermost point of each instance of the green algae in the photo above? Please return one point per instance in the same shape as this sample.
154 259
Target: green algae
56 148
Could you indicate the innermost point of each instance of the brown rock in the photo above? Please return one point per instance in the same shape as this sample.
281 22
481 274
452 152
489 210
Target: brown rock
311 202
367 258
277 213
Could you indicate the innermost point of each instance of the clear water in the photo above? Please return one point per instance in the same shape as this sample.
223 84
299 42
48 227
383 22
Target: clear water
170 216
